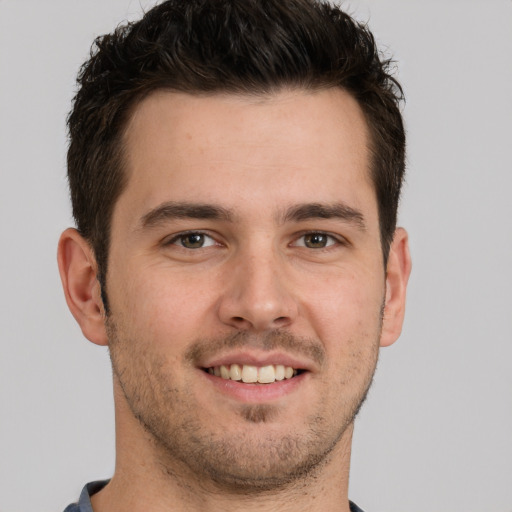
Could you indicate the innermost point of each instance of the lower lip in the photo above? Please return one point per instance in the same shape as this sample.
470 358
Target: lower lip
255 393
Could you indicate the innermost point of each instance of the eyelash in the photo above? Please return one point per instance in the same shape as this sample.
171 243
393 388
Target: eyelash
182 235
333 240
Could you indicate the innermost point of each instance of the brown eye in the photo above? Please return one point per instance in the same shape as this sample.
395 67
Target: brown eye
193 240
317 240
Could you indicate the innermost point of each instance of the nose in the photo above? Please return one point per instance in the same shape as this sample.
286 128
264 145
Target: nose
257 295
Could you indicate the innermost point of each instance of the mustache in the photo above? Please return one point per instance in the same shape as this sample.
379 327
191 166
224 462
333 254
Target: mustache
272 340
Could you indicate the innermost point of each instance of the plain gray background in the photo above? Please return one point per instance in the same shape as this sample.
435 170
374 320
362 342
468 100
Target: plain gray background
436 432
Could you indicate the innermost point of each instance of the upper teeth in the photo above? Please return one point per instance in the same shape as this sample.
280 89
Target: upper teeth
249 373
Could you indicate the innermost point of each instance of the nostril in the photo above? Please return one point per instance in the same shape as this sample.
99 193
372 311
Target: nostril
258 322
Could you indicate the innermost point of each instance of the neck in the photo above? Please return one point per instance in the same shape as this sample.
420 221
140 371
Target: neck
146 481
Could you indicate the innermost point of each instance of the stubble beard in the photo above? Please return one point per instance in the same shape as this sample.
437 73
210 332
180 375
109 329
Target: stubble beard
258 459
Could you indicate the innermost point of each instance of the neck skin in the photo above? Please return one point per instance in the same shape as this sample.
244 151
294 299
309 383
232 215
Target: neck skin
141 484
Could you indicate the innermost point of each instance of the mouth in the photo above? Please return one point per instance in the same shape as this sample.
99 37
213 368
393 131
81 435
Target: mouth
251 374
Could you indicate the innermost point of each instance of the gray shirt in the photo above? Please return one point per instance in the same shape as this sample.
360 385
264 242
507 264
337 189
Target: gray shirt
84 502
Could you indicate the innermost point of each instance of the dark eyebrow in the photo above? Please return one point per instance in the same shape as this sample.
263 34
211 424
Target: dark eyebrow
171 210
309 211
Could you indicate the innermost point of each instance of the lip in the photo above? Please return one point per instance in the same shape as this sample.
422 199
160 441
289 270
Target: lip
258 359
255 393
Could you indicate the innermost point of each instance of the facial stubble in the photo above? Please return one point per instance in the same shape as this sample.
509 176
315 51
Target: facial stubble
259 457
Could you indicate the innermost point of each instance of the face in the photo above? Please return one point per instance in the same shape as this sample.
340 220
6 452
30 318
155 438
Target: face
246 281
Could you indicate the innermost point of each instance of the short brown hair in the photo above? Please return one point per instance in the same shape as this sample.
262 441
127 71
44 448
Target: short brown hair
238 46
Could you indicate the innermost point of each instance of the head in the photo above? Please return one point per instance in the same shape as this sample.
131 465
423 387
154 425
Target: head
201 47
235 169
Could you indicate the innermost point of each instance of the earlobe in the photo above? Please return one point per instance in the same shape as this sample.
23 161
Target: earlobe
397 275
78 273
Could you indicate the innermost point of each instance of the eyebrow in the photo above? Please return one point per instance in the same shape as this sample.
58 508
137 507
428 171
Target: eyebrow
311 211
172 210
308 211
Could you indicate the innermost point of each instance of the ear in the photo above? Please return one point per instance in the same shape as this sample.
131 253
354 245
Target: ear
78 273
397 275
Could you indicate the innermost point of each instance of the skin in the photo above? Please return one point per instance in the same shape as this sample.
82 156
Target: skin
254 289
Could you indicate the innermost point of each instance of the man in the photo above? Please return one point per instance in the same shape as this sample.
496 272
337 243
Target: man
235 169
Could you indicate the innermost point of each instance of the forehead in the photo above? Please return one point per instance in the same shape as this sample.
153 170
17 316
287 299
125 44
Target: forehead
281 148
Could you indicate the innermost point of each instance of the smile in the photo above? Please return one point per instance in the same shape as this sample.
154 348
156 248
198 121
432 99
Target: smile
250 374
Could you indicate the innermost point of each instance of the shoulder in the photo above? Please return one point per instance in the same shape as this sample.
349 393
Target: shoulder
72 508
84 503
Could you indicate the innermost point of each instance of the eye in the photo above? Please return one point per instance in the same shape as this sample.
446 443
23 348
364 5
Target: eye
315 241
192 240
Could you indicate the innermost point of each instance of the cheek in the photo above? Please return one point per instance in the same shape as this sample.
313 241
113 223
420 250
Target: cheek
346 307
161 308
347 319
